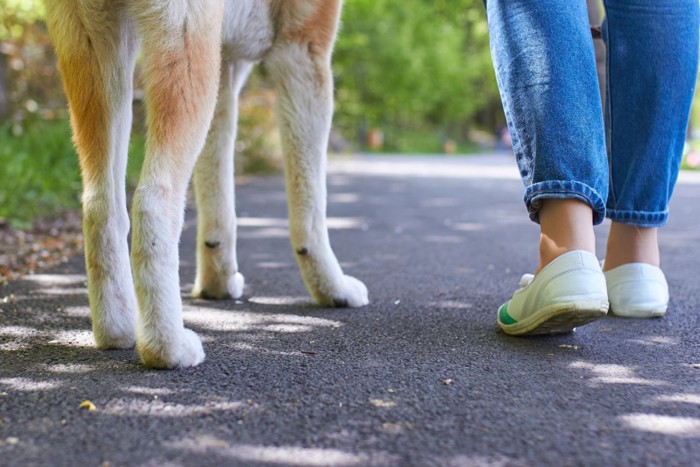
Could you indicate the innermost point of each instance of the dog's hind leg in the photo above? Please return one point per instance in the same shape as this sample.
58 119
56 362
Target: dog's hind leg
217 266
300 67
181 44
96 47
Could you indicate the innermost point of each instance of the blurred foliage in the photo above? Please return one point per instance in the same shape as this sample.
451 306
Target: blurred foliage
258 145
413 66
39 172
30 83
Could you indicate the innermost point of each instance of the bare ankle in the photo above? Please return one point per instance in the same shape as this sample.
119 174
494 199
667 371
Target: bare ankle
631 244
567 225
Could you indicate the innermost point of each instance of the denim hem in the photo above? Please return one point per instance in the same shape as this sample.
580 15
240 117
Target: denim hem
638 218
563 189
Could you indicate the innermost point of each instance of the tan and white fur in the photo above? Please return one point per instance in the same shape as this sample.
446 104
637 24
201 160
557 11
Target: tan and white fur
193 52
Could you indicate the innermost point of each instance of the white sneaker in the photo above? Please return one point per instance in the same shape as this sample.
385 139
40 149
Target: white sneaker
568 292
637 290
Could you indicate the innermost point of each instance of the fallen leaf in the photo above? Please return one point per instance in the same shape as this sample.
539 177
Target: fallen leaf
89 406
382 404
568 347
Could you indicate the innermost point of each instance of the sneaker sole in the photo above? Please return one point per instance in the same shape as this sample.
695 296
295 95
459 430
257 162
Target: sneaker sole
561 318
632 312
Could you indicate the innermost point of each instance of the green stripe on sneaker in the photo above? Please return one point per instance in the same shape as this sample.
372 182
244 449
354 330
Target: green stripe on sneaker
504 317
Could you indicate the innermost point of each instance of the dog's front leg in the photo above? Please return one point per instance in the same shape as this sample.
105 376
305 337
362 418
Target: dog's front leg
96 56
302 74
182 57
217 266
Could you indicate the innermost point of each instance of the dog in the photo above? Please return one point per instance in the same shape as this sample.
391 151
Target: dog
197 56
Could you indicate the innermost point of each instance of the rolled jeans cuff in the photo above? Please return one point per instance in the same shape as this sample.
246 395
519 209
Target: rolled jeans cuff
638 218
563 189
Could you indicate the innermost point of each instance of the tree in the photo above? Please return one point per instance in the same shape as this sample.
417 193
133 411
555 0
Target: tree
413 63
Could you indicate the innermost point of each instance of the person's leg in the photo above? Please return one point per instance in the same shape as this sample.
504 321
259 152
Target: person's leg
652 68
545 66
631 244
566 225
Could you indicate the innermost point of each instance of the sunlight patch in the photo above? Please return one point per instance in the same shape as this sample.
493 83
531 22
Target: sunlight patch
14 346
28 385
426 167
77 311
452 304
61 291
615 374
158 408
241 346
244 321
72 368
283 455
150 391
684 398
273 222
279 300
56 279
73 338
654 340
685 427
18 331
468 227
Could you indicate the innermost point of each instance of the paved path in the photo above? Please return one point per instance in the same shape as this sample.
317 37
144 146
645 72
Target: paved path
441 242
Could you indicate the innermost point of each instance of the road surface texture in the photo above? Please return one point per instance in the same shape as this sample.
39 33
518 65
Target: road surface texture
421 376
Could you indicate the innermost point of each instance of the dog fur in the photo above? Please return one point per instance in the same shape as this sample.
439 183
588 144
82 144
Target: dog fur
197 56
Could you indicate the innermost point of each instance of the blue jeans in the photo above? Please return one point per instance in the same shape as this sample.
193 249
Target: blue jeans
626 164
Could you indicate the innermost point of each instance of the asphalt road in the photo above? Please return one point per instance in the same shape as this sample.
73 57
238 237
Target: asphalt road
421 376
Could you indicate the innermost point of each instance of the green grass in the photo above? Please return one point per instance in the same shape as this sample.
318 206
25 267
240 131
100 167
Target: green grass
420 141
39 172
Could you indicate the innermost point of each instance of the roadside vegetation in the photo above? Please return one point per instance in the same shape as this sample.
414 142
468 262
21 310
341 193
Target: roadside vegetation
413 77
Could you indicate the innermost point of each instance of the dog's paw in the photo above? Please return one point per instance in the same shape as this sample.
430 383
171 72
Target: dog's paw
115 336
184 351
231 287
104 341
351 293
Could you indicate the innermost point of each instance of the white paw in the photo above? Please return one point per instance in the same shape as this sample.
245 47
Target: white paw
352 293
184 351
236 284
220 289
105 341
120 335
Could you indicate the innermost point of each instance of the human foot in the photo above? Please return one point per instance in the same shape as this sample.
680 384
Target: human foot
569 292
637 290
567 225
631 244
636 286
